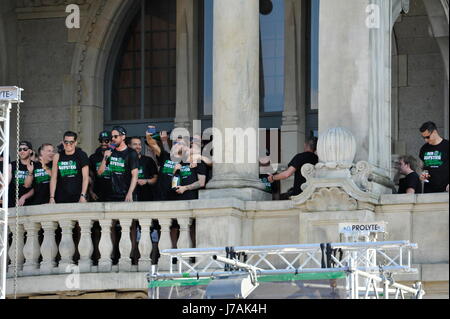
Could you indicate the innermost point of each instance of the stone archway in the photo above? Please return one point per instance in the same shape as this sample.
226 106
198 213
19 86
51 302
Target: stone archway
86 80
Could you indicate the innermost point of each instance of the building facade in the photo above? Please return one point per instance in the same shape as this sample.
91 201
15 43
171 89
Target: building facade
297 67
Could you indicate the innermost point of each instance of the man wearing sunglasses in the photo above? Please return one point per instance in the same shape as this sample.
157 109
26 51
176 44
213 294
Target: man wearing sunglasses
70 173
435 157
23 174
123 164
100 188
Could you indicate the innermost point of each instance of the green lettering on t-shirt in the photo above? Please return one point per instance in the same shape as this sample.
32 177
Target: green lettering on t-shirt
185 171
141 173
168 167
41 176
117 165
433 159
21 176
67 168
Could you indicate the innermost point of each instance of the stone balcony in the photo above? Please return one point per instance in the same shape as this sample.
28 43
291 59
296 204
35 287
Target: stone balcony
51 263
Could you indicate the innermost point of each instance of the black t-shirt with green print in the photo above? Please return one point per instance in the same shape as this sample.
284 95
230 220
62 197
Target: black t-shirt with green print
121 163
41 184
70 176
189 176
147 169
435 159
163 189
21 174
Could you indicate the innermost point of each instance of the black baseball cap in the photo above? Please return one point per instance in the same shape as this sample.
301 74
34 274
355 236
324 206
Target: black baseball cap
27 144
120 129
104 135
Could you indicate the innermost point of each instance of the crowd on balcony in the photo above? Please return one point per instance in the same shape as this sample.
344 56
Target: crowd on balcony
119 171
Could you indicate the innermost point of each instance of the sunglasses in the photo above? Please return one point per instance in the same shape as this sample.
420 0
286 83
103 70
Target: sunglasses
105 141
426 137
115 136
23 149
69 142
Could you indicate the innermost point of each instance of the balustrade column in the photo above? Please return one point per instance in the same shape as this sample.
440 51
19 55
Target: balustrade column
145 245
184 241
85 246
31 249
125 245
66 246
164 243
19 239
105 246
49 249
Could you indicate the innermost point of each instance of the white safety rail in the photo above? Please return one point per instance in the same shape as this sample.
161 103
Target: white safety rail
8 96
369 265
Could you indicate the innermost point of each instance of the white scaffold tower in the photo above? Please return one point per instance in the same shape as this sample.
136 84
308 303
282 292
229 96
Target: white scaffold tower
367 269
8 97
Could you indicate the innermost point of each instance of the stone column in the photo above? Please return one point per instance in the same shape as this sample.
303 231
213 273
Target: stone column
125 245
164 243
105 246
187 57
18 238
31 249
294 114
85 246
355 76
49 249
145 245
184 241
235 101
66 246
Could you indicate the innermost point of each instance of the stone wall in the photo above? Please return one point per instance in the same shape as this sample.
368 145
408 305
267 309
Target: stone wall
419 74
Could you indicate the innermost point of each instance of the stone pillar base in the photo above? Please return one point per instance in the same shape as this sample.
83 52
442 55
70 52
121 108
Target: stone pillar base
246 194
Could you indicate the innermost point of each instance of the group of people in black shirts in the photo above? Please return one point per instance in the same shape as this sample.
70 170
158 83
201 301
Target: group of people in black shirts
118 171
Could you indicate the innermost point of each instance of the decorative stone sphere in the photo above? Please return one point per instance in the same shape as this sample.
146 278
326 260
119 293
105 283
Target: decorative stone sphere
337 145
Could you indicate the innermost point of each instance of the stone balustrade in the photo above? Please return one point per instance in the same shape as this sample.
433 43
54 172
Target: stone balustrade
54 241
97 237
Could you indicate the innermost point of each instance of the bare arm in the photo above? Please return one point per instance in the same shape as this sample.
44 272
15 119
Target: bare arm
410 191
134 179
54 178
29 179
85 172
153 144
284 175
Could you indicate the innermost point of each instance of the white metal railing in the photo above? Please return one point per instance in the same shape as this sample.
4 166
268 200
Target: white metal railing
374 262
393 255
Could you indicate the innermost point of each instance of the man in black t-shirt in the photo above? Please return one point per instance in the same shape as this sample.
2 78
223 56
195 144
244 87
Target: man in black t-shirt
70 173
192 174
147 174
411 183
23 174
163 190
100 186
435 157
295 165
123 164
42 174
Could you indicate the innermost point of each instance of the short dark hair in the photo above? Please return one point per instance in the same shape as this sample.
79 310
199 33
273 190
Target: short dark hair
312 143
413 162
134 138
428 126
71 134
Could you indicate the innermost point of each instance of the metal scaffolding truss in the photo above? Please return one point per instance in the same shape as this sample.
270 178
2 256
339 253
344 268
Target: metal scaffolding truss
370 264
8 96
393 255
